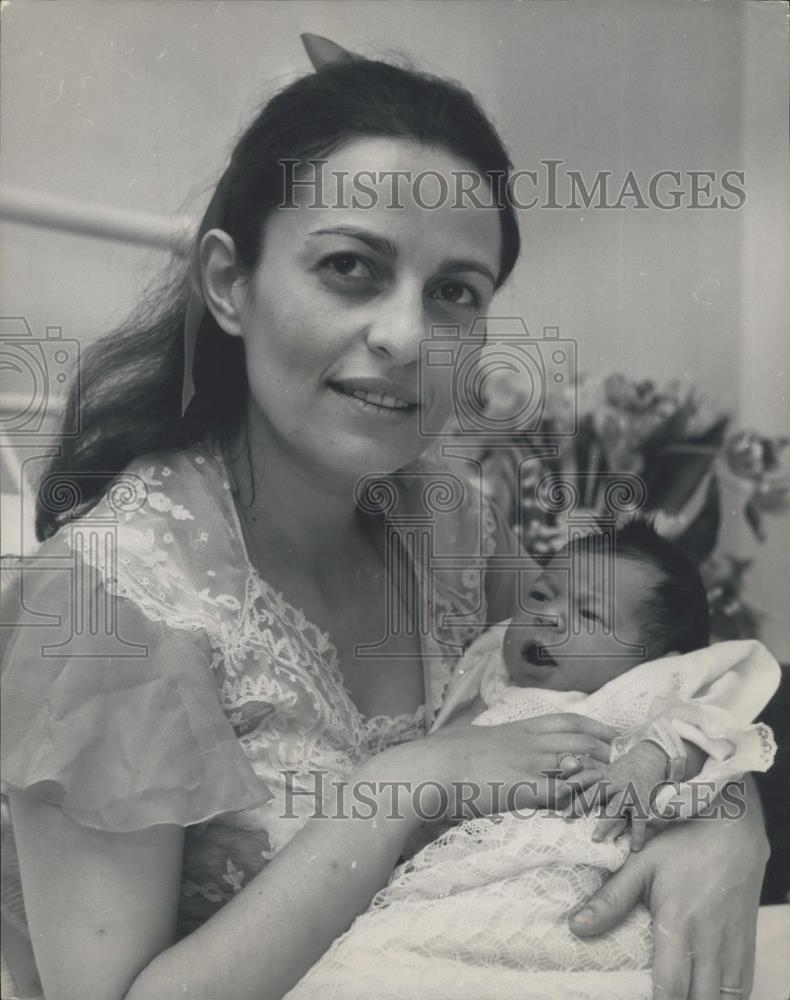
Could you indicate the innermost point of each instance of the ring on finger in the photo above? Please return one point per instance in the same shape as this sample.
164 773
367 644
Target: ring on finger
734 990
573 758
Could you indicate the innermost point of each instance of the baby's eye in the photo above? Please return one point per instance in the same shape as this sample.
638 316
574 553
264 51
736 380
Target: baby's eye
457 293
538 595
591 616
348 265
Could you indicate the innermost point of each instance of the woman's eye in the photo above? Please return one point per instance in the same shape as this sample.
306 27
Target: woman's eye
457 293
538 595
591 616
347 265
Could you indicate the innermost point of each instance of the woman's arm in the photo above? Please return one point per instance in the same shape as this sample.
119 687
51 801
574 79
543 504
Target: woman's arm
102 907
99 906
702 881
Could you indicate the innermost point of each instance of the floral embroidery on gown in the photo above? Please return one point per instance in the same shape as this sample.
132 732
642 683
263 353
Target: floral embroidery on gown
203 685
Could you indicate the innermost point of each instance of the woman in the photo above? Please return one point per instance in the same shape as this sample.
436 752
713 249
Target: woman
171 838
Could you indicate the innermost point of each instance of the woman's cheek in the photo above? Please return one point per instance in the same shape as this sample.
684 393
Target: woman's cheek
440 412
437 400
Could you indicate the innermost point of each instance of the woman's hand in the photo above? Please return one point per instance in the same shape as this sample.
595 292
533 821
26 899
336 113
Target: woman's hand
485 769
701 880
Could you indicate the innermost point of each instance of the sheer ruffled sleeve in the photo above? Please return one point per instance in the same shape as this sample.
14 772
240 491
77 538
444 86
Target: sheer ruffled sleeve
110 715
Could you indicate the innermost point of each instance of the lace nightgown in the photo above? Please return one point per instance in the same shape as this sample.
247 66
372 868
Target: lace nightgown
187 699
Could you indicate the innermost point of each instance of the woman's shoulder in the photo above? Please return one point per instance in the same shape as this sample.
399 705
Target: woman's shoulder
110 704
180 484
165 536
184 486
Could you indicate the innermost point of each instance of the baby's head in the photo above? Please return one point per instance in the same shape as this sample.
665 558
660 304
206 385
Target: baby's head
598 594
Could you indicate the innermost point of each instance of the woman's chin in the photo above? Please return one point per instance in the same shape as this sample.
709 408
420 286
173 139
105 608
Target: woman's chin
380 461
354 457
346 444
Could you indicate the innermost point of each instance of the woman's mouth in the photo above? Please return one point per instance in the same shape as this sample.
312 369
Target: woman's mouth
378 400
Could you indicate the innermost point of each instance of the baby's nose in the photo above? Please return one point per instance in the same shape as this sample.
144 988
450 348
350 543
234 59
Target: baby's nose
541 614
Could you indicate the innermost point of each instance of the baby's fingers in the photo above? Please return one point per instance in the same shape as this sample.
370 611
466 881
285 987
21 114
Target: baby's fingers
583 779
638 833
588 792
613 820
608 828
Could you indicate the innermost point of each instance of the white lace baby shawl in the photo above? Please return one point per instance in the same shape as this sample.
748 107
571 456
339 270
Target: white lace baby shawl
709 697
483 911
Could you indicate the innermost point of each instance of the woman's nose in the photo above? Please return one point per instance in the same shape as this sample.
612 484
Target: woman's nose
399 326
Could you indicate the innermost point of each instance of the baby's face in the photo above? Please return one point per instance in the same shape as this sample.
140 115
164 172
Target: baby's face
566 636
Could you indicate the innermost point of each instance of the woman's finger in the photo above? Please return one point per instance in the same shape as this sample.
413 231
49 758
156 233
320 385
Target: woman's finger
706 982
578 743
706 940
737 963
568 722
538 793
671 961
614 901
552 764
580 768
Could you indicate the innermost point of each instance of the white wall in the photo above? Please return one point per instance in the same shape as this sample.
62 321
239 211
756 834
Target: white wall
136 104
764 344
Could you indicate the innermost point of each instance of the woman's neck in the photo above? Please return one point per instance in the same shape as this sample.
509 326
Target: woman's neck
303 513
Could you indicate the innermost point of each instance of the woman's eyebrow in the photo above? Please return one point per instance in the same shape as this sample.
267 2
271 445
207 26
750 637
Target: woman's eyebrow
457 266
378 243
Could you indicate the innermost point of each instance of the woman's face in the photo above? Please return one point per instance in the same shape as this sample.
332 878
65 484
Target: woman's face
334 315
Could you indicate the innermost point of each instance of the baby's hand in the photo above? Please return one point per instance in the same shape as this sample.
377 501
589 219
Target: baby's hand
626 788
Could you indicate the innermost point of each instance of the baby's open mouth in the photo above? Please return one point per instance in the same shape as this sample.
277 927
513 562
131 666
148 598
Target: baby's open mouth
537 655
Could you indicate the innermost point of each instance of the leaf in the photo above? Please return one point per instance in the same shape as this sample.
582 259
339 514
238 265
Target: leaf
754 520
674 472
700 538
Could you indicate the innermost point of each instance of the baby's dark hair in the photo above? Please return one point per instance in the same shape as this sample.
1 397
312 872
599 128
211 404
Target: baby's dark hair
676 615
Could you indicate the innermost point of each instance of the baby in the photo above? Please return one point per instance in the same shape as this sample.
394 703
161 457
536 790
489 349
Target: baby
614 628
605 604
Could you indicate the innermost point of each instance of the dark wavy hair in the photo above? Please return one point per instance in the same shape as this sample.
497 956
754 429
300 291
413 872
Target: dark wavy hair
129 398
675 616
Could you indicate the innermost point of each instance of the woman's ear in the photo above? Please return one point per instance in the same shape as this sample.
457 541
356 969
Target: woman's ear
222 291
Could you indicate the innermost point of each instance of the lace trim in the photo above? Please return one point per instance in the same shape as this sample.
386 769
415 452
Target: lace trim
384 731
449 604
768 748
262 622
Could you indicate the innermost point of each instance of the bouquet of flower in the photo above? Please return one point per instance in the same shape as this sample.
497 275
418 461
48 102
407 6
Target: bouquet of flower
664 440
